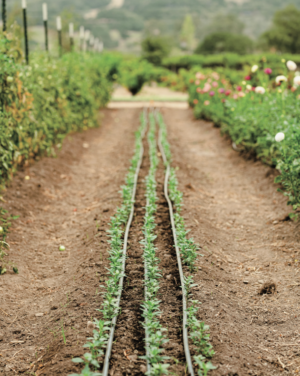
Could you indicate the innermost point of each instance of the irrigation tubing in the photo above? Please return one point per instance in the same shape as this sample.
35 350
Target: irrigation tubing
184 302
121 282
146 331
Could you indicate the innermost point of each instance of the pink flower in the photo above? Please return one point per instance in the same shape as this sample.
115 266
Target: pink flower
239 88
221 90
235 96
206 103
207 87
199 75
199 90
197 82
212 93
215 84
253 88
247 78
227 92
268 70
241 94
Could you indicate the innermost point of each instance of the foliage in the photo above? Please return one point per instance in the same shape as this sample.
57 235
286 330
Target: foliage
228 60
187 33
284 33
226 23
41 103
155 49
225 42
251 114
155 337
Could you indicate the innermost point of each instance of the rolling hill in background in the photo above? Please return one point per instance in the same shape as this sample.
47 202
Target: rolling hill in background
122 23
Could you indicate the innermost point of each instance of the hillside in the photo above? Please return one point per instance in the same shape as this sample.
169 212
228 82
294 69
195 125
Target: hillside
120 23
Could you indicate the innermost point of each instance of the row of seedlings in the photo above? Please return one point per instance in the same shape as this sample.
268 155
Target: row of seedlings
154 332
118 234
198 331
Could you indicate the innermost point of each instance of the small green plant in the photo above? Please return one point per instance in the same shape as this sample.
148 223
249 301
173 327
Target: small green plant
111 289
155 333
198 331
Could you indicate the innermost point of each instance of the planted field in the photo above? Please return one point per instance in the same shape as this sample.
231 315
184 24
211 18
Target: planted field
189 200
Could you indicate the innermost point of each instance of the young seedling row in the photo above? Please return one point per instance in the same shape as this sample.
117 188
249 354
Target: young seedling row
149 318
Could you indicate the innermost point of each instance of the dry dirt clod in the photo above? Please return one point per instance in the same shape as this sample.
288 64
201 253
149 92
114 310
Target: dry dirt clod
90 325
143 368
268 288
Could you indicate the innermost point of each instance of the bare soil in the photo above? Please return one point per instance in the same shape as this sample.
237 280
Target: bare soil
248 263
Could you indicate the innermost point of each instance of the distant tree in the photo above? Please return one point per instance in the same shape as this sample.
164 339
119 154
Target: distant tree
226 23
285 31
225 42
187 34
155 48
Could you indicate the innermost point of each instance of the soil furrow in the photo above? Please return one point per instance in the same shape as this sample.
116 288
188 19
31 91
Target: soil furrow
129 337
170 292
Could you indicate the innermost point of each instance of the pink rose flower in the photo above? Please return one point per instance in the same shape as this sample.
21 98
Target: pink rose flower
227 92
239 88
215 84
221 90
206 103
212 93
247 78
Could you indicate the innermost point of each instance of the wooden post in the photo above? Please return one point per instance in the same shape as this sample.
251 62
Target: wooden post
4 14
24 6
58 25
81 37
71 34
45 19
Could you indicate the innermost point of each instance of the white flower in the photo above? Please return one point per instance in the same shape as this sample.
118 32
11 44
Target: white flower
291 65
297 81
279 137
248 87
254 68
280 79
260 90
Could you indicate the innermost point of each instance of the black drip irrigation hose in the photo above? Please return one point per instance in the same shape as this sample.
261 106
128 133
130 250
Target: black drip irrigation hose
146 331
114 320
184 302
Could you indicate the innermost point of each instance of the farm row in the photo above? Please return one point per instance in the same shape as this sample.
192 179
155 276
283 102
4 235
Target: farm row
149 286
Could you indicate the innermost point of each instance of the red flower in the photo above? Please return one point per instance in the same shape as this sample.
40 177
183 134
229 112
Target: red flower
239 88
248 78
195 101
227 92
268 70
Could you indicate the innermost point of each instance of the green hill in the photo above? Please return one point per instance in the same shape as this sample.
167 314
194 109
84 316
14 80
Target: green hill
121 23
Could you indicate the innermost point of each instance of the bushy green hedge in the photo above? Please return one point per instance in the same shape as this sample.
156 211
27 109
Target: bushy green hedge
227 60
43 102
252 118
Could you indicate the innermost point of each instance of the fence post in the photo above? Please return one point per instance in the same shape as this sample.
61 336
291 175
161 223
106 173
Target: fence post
58 25
4 14
81 37
45 19
71 34
24 6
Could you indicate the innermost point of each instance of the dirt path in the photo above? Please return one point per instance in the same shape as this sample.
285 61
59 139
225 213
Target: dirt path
232 209
235 214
